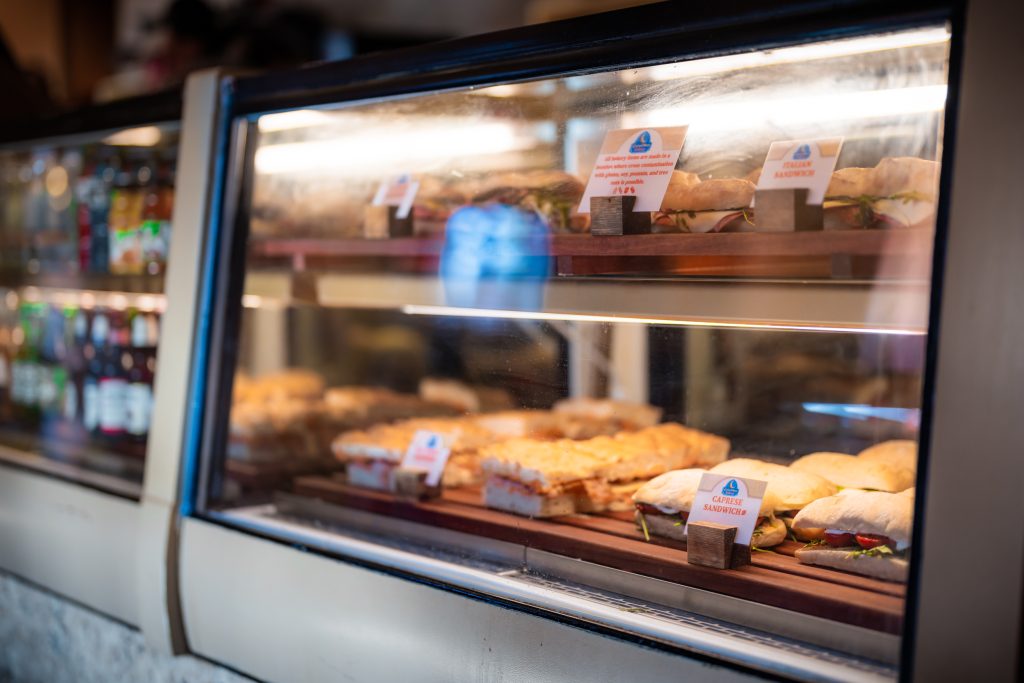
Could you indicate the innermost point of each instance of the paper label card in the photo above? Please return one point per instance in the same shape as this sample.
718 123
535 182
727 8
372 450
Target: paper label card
428 452
635 162
400 192
734 501
801 163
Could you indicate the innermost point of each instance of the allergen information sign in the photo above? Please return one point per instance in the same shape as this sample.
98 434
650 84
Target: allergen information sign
729 500
635 162
428 452
799 164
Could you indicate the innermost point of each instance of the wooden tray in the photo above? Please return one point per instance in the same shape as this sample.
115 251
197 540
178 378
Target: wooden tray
774 578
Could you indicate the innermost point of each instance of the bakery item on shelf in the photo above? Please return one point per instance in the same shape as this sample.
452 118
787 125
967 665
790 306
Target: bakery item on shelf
263 431
694 205
553 195
540 479
868 532
298 383
899 192
663 506
849 471
898 452
464 397
620 414
792 489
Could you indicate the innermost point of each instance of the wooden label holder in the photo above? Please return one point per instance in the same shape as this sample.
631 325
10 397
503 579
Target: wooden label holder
710 544
382 222
411 484
615 216
786 210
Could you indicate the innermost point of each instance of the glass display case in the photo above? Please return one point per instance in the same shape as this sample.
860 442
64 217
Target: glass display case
85 233
442 266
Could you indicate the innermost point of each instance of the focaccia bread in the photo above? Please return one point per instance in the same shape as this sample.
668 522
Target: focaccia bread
850 471
793 489
295 383
868 512
623 414
464 397
900 453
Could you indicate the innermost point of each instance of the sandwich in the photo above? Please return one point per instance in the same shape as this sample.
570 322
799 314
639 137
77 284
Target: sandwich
275 429
792 490
464 397
372 455
294 383
552 195
620 414
663 508
867 532
849 471
900 453
694 205
897 193
544 479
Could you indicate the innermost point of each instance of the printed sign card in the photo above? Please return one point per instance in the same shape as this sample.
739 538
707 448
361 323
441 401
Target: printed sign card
733 501
400 192
428 452
635 162
801 163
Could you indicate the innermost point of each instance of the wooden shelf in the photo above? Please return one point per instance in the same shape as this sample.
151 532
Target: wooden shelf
774 578
893 254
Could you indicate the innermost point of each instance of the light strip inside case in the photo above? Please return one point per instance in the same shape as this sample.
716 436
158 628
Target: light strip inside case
459 312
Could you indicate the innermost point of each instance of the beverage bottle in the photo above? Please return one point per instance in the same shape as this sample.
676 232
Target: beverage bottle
93 354
140 379
113 384
125 222
71 406
27 367
100 193
61 181
156 220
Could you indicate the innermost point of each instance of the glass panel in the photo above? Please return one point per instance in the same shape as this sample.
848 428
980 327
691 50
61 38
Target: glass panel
86 227
569 369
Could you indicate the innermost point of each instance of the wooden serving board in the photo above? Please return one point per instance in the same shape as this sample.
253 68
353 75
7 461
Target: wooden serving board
774 579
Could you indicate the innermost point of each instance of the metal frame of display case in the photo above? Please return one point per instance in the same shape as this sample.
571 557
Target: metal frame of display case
248 595
78 532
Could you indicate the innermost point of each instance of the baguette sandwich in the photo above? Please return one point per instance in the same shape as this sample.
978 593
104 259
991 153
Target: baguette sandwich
663 507
897 193
849 471
694 205
792 490
899 453
867 532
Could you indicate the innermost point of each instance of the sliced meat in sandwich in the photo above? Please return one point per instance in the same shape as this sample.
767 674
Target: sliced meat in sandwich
663 507
900 453
849 471
554 195
867 532
695 205
792 489
897 193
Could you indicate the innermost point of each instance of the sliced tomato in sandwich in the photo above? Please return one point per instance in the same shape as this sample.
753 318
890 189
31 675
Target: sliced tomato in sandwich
839 540
869 541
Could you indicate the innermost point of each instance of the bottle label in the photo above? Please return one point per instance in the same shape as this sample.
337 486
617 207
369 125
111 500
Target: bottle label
139 408
112 404
91 405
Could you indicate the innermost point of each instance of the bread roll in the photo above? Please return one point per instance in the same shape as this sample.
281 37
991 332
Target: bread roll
772 532
901 453
868 512
716 194
792 488
850 471
879 567
675 491
851 182
895 175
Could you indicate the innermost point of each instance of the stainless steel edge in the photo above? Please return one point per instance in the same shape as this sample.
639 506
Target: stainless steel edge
756 656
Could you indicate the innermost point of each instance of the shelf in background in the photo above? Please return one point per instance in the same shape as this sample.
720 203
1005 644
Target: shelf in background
96 282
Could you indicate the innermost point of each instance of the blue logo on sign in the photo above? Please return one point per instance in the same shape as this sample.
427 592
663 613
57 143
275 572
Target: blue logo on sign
432 441
731 488
802 152
642 144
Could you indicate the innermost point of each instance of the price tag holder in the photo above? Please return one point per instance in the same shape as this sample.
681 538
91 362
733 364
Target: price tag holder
400 191
730 501
635 162
428 453
801 164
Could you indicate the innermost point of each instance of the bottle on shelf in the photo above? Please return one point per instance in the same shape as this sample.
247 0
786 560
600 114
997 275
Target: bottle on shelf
100 193
156 220
140 362
26 373
125 221
93 353
113 383
61 253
